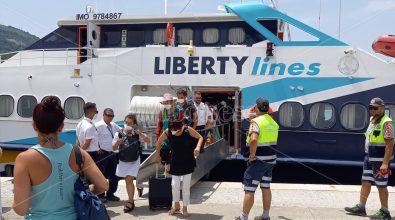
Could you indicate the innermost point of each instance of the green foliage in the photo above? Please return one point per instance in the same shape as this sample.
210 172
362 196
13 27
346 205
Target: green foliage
14 39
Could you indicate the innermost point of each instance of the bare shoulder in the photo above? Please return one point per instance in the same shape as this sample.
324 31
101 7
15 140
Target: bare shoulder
27 157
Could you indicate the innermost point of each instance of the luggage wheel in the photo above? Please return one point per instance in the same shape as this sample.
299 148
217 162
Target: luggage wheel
140 191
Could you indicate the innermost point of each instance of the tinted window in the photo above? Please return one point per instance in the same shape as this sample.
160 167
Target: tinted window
354 116
26 106
210 35
291 114
390 111
322 115
6 105
135 38
236 35
159 36
184 35
74 107
112 38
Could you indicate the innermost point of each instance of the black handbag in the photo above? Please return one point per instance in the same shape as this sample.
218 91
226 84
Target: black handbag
87 205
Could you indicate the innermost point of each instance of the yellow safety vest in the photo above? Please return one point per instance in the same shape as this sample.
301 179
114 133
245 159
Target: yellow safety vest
376 148
268 131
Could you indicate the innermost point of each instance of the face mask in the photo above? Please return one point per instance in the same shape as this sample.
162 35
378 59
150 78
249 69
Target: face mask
173 132
180 101
168 107
215 107
128 128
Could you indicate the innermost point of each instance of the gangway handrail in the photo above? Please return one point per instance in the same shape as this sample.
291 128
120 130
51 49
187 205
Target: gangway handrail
212 155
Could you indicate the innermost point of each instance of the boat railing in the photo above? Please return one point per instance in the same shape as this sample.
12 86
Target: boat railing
214 152
215 133
57 56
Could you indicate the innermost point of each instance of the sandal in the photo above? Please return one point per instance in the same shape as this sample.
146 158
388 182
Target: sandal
127 208
174 211
185 213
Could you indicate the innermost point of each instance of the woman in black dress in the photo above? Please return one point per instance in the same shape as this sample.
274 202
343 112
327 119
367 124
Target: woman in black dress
185 144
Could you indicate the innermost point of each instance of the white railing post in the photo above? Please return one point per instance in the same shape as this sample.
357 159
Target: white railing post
67 55
43 56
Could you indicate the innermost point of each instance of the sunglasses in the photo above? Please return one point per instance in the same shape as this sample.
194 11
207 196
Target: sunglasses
111 116
373 108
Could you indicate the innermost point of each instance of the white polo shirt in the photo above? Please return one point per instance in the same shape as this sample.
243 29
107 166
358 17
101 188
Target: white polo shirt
87 130
106 134
203 112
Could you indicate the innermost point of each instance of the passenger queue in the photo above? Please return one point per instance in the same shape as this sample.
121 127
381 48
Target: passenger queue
110 152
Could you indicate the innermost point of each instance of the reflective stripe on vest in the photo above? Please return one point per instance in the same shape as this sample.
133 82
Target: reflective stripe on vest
268 131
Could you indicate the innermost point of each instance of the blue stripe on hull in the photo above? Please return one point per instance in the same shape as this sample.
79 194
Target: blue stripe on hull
279 90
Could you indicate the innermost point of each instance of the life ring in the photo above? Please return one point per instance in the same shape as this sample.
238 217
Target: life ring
169 33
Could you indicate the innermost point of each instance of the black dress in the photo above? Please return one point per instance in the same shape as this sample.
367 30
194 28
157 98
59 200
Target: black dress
182 160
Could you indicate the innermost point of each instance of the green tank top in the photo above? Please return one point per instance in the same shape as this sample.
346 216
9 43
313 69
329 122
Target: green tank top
54 198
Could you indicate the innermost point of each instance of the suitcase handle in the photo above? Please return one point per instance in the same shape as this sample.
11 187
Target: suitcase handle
156 173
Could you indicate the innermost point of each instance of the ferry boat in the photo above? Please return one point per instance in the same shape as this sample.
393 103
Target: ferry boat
319 90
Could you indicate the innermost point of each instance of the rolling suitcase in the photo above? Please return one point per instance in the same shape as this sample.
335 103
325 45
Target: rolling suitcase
159 194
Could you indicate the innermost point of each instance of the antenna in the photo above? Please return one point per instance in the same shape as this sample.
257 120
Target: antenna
165 7
340 15
319 16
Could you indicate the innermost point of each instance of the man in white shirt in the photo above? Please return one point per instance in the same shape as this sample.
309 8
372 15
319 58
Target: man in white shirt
106 130
204 116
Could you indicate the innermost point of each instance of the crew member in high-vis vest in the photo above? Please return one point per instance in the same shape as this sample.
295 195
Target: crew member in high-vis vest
379 148
262 142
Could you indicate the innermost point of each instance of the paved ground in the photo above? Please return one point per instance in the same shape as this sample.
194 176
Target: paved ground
222 200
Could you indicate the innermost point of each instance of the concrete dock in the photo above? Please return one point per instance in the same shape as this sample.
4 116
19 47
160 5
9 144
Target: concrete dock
222 200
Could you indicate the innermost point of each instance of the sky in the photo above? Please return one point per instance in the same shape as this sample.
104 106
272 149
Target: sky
362 21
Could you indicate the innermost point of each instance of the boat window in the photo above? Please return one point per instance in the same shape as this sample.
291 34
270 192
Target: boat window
322 115
159 36
26 105
184 35
74 107
236 35
112 38
135 38
291 114
390 111
210 35
63 37
354 116
6 105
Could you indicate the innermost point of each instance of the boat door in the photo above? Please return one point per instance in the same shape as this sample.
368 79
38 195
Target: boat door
82 44
93 38
229 115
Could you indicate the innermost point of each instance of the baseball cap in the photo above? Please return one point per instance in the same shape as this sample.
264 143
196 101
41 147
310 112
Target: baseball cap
376 102
262 104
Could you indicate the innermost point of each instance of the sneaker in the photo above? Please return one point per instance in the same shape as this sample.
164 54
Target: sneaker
381 215
356 210
103 199
261 218
112 198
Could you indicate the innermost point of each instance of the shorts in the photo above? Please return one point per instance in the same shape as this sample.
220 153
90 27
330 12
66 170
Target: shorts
258 172
370 169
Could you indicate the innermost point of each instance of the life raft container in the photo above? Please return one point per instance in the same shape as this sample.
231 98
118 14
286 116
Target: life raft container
385 45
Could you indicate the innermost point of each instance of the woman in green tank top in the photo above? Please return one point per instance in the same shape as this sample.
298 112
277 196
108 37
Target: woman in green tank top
44 175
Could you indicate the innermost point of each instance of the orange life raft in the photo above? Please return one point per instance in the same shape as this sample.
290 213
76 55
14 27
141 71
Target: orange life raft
385 45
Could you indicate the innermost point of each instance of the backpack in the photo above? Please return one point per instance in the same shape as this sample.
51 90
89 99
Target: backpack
129 149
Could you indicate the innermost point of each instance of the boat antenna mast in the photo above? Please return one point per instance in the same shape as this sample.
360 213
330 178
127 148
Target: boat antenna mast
165 7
